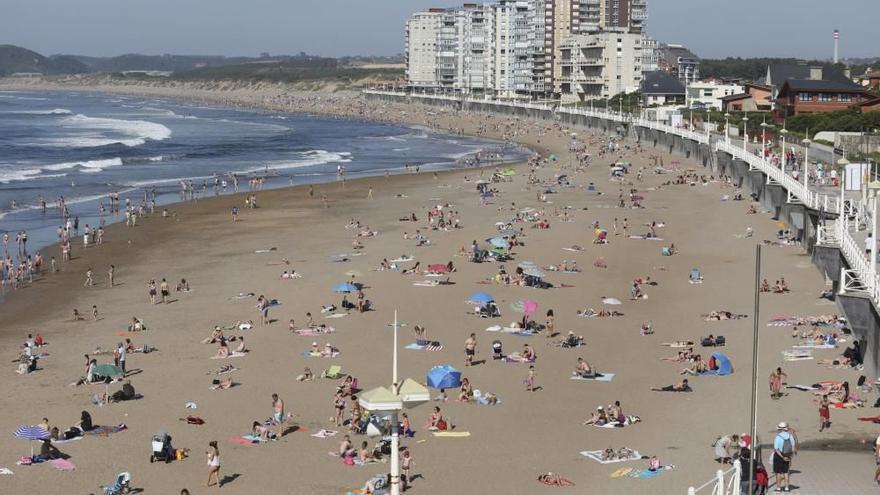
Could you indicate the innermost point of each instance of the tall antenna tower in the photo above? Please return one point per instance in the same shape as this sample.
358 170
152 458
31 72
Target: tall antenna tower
836 46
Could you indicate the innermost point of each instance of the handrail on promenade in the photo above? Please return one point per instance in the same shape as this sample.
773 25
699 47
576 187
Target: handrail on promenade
859 266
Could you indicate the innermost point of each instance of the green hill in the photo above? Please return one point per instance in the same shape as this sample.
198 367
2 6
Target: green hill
14 59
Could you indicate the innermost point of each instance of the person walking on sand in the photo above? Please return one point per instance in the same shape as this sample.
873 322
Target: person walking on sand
89 281
776 378
213 454
111 272
164 291
470 348
530 380
151 289
370 193
824 414
234 214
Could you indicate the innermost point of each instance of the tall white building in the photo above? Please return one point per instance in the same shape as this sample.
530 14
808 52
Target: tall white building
475 64
600 65
422 29
514 43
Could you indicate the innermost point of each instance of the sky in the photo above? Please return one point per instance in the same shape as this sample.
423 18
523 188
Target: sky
710 28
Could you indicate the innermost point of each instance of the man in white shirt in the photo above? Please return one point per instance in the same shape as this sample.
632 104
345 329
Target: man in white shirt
122 352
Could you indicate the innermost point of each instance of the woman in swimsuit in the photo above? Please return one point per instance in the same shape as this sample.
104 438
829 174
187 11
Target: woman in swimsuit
213 463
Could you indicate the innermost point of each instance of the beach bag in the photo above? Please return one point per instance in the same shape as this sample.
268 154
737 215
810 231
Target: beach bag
712 364
442 425
348 460
787 446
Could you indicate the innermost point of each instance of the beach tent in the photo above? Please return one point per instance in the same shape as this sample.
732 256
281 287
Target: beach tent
444 377
498 242
345 288
725 367
695 274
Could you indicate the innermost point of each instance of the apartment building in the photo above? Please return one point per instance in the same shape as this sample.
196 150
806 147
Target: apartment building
600 65
420 50
515 32
475 56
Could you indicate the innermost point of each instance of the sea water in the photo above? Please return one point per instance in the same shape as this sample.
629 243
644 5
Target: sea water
84 146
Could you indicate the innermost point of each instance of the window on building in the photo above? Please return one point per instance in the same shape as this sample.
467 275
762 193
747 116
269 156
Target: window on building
843 97
825 97
805 97
707 92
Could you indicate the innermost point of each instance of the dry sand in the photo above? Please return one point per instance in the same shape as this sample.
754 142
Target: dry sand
528 434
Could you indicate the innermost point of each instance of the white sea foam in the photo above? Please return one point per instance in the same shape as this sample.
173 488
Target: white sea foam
54 111
95 165
310 159
134 132
7 176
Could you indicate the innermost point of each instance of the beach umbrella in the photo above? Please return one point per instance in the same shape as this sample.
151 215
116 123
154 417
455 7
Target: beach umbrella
108 371
346 287
526 306
438 268
525 265
534 272
444 377
611 300
482 182
31 433
498 242
480 298
508 232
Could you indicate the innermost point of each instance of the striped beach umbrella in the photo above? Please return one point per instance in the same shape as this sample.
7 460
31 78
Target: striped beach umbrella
31 433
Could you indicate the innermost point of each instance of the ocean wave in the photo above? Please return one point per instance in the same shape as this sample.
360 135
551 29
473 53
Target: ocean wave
310 159
96 165
7 176
54 111
137 132
400 149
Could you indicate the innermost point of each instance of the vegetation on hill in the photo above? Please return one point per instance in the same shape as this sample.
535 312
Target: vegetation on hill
14 59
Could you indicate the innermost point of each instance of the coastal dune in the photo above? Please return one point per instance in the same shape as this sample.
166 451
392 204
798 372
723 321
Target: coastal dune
510 444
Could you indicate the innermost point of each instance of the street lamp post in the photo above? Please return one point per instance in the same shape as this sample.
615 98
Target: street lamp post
806 142
783 132
745 134
708 125
764 139
393 400
727 128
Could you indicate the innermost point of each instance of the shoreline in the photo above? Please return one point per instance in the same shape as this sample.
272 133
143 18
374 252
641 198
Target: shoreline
52 248
219 259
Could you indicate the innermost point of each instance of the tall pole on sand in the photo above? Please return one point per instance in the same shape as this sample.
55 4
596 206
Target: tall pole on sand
395 428
754 411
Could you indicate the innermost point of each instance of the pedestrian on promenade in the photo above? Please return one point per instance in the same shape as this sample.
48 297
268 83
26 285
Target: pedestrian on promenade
784 447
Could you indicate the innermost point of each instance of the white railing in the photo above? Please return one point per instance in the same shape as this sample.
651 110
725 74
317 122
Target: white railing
724 483
859 277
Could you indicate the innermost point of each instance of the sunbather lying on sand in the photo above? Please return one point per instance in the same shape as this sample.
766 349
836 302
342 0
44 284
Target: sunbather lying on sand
684 356
571 340
602 313
222 384
682 386
723 315
551 479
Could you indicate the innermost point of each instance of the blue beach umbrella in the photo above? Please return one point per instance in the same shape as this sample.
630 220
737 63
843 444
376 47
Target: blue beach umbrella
444 377
345 288
31 433
481 297
498 242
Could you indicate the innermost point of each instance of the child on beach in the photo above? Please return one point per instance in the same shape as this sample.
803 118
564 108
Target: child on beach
530 380
824 414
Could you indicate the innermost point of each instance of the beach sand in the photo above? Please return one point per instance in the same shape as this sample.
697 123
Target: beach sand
511 444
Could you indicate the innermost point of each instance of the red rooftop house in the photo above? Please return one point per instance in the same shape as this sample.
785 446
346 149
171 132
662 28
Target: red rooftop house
799 96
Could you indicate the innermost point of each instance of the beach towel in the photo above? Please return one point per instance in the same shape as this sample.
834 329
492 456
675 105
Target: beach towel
337 315
402 259
647 473
645 238
105 430
596 455
485 402
814 346
310 354
630 420
509 359
126 334
324 433
498 328
67 440
6 471
803 388
245 440
572 249
426 283
62 464
313 331
452 434
620 473
802 355
427 347
873 419
603 377
231 355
